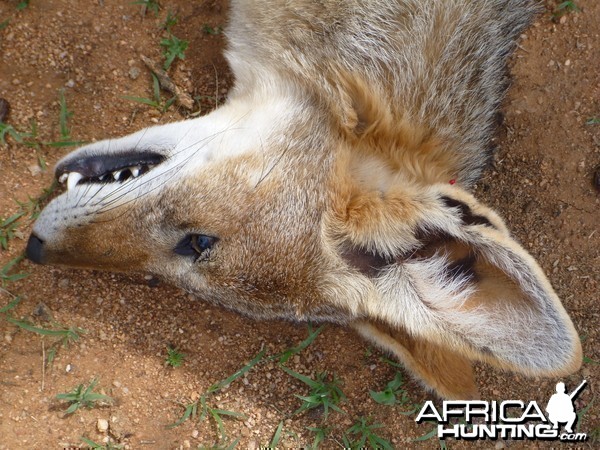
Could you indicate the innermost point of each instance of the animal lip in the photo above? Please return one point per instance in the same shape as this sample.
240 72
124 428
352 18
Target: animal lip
107 168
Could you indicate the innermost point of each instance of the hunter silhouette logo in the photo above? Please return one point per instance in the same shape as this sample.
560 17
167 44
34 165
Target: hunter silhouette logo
560 406
509 419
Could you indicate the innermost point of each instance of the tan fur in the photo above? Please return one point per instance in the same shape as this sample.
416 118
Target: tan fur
332 186
442 370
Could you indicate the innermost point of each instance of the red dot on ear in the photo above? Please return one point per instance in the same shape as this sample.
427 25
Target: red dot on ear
453 180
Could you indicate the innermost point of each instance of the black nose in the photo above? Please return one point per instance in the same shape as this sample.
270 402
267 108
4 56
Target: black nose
35 249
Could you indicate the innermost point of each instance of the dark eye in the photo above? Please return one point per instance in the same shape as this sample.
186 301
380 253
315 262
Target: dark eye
197 245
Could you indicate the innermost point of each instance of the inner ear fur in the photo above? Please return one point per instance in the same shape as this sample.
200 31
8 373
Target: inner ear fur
462 290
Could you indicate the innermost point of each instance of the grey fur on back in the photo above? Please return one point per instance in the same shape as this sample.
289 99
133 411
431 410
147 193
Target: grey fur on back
441 64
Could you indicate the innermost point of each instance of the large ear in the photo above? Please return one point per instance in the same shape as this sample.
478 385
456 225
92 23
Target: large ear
451 285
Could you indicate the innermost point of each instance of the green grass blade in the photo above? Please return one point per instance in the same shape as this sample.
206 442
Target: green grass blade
190 411
236 375
145 101
312 335
11 305
43 331
276 436
306 380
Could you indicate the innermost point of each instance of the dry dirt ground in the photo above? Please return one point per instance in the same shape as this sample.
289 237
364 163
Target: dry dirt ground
542 182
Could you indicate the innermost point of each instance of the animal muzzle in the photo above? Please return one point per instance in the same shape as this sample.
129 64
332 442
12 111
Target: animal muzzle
35 250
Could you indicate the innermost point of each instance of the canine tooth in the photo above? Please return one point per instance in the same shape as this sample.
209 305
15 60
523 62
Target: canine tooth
116 174
63 178
135 171
73 179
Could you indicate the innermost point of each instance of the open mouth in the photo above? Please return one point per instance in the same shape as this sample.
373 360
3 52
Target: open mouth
106 168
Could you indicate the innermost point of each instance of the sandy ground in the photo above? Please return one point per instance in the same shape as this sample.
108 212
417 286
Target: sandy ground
541 182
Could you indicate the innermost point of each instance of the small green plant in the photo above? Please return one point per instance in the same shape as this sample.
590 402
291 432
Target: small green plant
6 276
4 24
63 118
64 335
395 394
18 136
30 139
564 8
83 397
157 101
432 435
150 5
95 446
170 22
284 356
201 409
174 357
210 30
22 5
325 392
276 437
173 48
8 229
320 435
363 434
30 208
593 121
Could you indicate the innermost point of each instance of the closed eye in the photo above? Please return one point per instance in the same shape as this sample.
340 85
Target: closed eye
198 246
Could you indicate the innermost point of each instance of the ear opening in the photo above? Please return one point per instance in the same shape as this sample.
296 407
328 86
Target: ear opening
466 291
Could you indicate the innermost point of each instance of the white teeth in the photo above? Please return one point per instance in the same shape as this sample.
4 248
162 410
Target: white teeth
63 178
117 174
135 171
73 179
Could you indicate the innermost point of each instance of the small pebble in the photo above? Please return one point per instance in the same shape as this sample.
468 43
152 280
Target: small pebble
134 73
34 170
102 425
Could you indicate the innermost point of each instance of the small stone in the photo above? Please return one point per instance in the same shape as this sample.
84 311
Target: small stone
43 312
562 20
195 434
34 170
70 83
69 368
500 445
186 444
102 425
134 73
568 62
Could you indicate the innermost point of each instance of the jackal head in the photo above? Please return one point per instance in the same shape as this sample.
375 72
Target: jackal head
269 207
